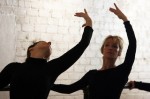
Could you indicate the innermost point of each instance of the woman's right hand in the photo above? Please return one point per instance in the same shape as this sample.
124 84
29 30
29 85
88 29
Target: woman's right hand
86 17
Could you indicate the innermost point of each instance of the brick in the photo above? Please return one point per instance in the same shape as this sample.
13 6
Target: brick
27 28
32 12
40 28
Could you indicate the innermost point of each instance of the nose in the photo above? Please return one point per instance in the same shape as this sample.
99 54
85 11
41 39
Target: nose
110 47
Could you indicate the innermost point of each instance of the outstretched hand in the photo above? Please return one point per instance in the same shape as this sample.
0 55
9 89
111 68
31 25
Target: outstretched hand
131 84
119 13
86 17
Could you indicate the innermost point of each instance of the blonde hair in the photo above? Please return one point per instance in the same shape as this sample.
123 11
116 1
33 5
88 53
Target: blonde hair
116 39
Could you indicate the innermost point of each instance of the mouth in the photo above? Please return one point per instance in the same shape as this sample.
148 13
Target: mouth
109 52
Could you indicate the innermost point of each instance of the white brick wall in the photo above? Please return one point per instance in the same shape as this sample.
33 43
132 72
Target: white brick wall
53 20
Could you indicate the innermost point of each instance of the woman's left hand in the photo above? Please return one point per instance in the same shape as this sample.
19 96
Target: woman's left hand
119 13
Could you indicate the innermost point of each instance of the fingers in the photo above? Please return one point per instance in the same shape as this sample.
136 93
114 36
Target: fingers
116 6
88 21
112 9
85 11
116 10
79 14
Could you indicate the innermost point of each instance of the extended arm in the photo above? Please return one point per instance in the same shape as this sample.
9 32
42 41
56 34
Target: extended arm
130 54
139 85
69 58
79 85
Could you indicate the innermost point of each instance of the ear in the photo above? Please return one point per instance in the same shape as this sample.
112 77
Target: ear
30 48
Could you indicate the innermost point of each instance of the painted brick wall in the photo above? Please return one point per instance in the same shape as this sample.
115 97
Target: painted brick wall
54 20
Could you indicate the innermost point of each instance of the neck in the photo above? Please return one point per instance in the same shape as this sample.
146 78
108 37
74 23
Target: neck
108 63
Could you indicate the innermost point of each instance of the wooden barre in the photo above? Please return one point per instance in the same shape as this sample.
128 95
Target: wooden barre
8 88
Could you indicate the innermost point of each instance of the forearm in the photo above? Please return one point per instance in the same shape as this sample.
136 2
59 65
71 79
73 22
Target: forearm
88 22
130 33
142 86
70 57
78 85
86 37
67 89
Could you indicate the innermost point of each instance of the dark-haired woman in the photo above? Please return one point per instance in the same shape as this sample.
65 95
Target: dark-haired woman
33 78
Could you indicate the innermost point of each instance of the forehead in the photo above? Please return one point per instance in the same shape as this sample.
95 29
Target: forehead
41 42
111 41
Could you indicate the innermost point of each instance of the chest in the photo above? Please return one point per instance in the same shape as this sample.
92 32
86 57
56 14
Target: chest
108 79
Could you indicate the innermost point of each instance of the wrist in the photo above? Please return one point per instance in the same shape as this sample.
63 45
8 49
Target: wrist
125 19
88 21
137 83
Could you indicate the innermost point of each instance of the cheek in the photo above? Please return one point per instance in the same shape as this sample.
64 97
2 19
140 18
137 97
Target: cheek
50 50
103 51
105 48
118 49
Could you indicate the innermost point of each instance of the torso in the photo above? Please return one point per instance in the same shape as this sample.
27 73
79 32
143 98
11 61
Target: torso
107 83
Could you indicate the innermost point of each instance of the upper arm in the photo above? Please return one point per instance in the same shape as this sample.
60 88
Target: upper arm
131 50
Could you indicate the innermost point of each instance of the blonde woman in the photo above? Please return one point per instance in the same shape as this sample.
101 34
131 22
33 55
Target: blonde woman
108 81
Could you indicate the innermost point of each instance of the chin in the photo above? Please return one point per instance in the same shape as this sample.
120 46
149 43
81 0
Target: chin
47 58
110 57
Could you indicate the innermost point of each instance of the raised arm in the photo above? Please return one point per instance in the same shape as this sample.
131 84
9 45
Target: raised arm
130 54
69 58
